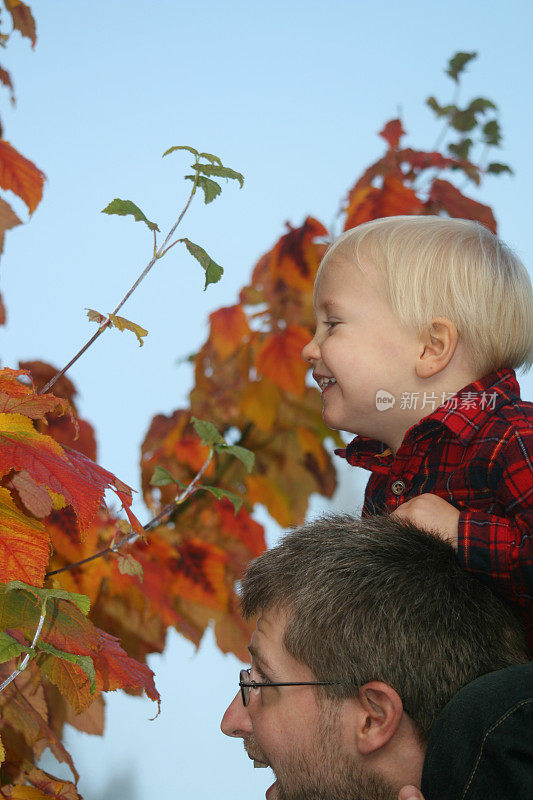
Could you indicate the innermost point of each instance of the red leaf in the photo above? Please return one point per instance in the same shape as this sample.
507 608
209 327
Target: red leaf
24 544
392 132
448 197
116 670
23 20
20 176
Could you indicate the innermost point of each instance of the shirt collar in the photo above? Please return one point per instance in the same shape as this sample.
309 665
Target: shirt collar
463 414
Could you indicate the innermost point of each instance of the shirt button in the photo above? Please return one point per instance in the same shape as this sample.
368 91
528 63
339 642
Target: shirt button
398 487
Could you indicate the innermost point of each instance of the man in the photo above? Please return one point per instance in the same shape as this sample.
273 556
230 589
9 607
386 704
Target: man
365 630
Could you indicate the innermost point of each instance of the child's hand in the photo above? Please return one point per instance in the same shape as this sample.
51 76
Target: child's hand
431 512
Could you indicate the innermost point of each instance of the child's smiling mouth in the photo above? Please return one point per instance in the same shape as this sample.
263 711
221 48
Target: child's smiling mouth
324 381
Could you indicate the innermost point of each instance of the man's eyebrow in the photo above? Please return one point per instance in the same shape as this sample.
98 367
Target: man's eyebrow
263 665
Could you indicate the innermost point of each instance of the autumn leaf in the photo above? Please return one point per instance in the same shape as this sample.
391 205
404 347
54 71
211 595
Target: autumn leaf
21 176
229 330
294 259
127 565
95 316
24 544
449 198
8 220
125 325
200 573
23 20
392 133
280 359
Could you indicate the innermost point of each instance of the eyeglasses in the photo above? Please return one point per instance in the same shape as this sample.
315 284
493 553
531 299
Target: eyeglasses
246 684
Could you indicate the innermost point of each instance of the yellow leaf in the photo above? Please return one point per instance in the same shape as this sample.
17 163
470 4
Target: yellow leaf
2 752
260 401
124 324
95 316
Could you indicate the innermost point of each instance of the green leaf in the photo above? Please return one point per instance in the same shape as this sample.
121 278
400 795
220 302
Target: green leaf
220 172
496 169
457 64
480 105
461 149
213 271
234 499
209 157
440 111
492 133
181 147
244 455
85 662
162 477
10 648
125 207
207 432
127 565
463 120
210 188
80 600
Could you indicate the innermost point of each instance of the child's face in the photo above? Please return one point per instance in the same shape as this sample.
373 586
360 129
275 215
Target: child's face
358 349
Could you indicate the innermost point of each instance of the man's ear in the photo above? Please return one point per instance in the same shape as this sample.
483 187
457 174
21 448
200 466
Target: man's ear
438 343
381 713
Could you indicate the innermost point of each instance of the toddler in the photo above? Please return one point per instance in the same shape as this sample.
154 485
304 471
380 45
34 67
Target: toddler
421 322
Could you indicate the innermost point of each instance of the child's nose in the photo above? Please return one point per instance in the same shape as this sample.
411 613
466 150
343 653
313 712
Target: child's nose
311 351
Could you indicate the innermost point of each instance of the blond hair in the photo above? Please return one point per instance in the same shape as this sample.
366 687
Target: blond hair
440 267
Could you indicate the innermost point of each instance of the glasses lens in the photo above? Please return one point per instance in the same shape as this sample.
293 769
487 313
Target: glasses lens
244 677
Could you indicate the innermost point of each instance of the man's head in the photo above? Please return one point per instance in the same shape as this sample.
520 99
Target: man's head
384 612
407 304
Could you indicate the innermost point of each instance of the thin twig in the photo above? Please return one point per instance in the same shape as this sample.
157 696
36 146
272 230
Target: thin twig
157 255
27 657
131 537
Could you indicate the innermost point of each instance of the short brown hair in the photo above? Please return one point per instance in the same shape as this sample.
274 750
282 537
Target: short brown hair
379 599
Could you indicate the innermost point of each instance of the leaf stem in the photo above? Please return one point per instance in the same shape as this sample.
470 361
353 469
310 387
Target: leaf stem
27 657
157 254
131 537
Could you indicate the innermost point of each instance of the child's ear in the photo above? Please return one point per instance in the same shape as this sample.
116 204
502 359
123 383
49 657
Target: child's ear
438 343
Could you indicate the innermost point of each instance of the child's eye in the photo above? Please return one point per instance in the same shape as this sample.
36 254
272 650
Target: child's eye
331 324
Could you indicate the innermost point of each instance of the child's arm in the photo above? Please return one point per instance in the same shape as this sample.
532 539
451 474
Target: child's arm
498 548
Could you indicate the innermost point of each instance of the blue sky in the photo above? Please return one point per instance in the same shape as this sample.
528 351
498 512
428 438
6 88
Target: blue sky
292 95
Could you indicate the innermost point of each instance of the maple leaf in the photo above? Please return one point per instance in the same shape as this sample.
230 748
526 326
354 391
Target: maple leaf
24 544
199 573
392 133
280 359
229 330
294 259
368 203
446 196
21 176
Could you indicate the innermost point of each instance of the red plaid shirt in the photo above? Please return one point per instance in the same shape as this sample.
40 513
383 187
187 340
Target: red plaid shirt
476 452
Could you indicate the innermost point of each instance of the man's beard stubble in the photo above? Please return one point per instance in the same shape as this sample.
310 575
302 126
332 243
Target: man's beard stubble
324 773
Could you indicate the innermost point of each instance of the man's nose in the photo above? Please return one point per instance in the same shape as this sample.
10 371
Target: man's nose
236 721
311 351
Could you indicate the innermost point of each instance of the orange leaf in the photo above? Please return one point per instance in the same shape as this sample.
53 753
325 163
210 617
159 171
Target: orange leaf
393 199
35 498
3 313
261 490
449 198
229 329
200 574
260 402
24 544
280 359
392 132
295 257
20 176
